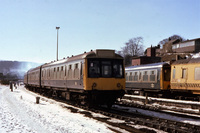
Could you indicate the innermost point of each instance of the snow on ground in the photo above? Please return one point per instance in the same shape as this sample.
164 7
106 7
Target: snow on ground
197 55
20 113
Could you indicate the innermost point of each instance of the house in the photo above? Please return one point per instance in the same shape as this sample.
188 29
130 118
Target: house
188 46
167 47
149 58
144 60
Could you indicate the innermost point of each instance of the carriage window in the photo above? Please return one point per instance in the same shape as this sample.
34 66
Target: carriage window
65 70
49 72
152 76
61 68
126 76
140 75
145 76
76 71
135 77
174 73
76 66
130 77
197 73
70 72
184 73
43 73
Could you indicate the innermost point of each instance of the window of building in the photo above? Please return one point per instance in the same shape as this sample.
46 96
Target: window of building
197 73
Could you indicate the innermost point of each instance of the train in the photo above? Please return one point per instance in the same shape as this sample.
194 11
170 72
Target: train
93 78
180 78
185 76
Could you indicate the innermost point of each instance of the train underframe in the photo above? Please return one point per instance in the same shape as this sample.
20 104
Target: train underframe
173 94
149 92
88 98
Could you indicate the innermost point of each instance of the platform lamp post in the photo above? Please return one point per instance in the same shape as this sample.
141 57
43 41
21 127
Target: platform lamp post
57 28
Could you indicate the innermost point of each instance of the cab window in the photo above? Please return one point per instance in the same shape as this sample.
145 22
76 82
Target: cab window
106 68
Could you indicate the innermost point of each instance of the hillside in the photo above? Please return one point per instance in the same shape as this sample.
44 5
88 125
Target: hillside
15 69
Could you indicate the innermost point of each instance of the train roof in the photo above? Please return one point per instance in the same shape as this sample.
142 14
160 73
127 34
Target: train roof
147 66
34 69
98 53
187 61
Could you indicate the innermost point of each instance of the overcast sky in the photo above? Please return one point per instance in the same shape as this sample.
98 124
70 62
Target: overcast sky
28 27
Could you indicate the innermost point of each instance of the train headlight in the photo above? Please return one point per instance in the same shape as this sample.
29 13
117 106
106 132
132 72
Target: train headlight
94 85
118 85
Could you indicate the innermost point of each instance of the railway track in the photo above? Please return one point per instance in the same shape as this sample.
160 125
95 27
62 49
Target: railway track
128 121
135 118
159 104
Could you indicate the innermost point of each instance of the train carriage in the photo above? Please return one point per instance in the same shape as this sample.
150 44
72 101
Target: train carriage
32 77
185 76
148 78
96 76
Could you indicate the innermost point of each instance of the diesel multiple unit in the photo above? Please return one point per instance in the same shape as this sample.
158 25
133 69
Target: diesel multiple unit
185 75
148 78
95 77
181 77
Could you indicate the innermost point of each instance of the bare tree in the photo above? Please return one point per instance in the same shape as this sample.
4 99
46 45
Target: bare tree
134 47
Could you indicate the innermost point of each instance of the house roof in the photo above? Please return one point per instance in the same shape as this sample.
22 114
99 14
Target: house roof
187 61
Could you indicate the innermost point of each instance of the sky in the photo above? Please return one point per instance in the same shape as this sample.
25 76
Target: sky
28 27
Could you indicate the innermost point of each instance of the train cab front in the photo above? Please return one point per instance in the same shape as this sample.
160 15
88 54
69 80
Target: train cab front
105 80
